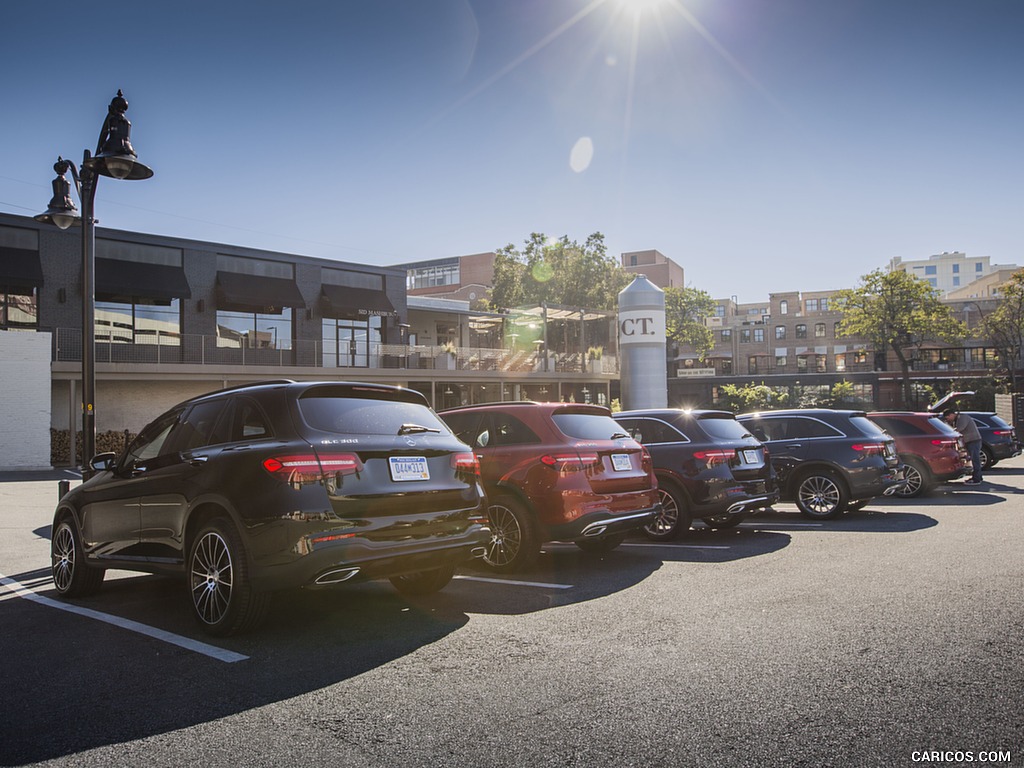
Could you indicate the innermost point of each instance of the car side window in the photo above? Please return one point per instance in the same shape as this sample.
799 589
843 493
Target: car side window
248 422
202 425
466 427
152 441
508 430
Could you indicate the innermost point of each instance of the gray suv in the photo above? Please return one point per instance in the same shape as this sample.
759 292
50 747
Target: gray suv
827 461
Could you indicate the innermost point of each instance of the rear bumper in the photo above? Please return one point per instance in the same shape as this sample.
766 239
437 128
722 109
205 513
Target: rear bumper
603 523
359 559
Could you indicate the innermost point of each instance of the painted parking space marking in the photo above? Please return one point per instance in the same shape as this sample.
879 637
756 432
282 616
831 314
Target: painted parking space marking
541 584
220 654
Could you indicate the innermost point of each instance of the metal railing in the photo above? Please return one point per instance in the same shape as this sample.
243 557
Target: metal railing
160 347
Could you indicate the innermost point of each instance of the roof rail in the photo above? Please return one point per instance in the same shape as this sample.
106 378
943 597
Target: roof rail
268 382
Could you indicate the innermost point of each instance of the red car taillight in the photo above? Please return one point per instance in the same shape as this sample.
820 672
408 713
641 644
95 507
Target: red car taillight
869 449
721 456
569 462
307 468
948 443
466 463
1002 432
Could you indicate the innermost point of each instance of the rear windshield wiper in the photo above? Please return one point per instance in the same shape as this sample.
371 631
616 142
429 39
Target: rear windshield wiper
408 429
618 435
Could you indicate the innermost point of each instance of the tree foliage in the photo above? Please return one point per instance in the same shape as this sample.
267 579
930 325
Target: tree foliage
685 310
898 313
561 272
751 397
1003 327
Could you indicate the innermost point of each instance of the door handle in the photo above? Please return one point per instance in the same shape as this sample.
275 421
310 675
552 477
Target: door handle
198 460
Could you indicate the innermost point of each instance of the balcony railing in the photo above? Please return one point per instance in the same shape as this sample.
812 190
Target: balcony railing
160 347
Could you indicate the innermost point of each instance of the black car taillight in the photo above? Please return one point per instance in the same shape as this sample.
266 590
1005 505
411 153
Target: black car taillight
466 464
869 449
308 468
718 456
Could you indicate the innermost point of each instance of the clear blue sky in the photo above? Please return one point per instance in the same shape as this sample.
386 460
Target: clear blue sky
765 145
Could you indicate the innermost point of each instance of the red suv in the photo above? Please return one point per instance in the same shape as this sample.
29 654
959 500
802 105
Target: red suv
556 472
930 450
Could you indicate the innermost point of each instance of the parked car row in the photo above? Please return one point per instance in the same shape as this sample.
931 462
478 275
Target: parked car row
260 488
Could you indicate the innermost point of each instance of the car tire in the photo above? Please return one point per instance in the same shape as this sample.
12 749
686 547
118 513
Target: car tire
514 543
221 592
424 582
72 576
820 494
919 481
602 544
675 517
987 459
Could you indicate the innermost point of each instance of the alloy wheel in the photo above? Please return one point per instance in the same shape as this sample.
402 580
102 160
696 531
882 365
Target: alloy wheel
506 536
212 577
63 557
819 495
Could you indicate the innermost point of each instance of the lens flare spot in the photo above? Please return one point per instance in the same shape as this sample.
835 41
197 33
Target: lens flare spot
542 272
581 155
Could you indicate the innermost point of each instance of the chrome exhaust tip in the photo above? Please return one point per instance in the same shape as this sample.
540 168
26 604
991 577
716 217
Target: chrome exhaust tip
336 577
477 552
597 530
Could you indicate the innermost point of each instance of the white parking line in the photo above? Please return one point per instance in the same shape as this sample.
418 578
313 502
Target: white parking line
542 584
132 626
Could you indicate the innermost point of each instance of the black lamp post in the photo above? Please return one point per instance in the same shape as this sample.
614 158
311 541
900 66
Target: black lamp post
114 158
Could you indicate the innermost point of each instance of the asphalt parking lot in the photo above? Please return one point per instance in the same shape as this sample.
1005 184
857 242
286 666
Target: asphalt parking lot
889 637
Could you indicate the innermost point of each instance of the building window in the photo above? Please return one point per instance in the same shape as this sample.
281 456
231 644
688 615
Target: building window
351 343
930 270
759 335
133 323
977 266
860 357
811 305
783 307
821 364
933 282
819 330
720 310
780 331
801 331
727 367
823 303
956 269
254 330
19 310
751 364
432 276
956 280
780 361
745 336
726 334
840 363
801 364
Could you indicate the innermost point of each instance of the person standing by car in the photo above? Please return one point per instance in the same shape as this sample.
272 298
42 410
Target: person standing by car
965 425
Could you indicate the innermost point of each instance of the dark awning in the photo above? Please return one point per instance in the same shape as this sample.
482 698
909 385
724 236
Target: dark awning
20 271
137 281
256 293
343 301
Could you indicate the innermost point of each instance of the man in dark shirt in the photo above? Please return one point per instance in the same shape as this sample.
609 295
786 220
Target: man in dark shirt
965 425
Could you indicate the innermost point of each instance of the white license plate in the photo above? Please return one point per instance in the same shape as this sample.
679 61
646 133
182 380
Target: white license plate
621 462
751 457
408 468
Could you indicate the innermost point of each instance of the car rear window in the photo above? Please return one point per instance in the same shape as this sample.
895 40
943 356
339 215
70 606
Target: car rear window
364 416
587 426
724 428
867 427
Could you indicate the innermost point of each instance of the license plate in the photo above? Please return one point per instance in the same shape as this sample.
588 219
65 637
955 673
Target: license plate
751 457
405 468
621 462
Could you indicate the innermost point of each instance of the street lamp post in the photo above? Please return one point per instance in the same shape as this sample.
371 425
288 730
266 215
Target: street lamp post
115 158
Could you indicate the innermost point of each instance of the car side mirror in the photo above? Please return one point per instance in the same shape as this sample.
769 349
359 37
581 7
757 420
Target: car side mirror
103 462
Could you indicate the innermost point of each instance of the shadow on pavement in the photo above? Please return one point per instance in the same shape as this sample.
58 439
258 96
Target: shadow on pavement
877 517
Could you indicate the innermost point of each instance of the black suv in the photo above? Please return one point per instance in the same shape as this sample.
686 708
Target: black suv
282 484
827 461
708 467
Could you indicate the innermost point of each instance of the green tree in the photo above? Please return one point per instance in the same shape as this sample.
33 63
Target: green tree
1003 327
897 312
561 272
685 310
751 397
